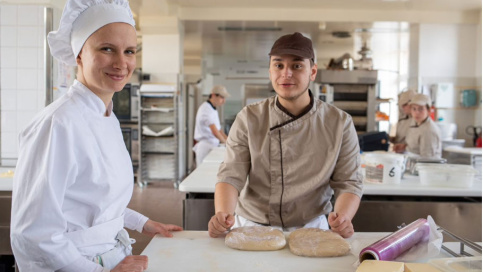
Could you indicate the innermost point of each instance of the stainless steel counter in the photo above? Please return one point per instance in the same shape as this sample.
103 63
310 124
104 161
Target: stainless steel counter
383 206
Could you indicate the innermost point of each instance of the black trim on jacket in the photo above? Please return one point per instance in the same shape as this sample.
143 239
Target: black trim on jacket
294 118
209 102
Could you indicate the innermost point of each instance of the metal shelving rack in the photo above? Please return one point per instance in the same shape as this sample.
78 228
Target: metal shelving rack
158 159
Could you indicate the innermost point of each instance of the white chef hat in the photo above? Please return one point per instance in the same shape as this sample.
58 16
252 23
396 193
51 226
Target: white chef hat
405 97
421 100
79 20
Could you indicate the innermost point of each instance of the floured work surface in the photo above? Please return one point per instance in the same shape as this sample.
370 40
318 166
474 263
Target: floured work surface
313 242
255 238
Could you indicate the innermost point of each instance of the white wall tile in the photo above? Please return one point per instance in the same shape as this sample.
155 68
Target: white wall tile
28 36
8 36
27 101
8 99
41 79
23 119
28 16
40 57
9 121
27 57
9 143
8 15
42 36
8 159
8 57
41 90
9 78
27 79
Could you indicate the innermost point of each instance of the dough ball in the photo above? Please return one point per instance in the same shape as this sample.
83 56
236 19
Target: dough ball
255 238
313 242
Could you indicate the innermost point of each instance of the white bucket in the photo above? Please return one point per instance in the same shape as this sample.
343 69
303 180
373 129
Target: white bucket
384 167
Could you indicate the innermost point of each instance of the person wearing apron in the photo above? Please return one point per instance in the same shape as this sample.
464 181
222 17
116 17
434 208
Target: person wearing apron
286 155
404 119
208 132
74 176
424 137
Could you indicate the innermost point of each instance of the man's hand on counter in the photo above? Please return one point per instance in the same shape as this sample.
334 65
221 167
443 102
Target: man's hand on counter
152 228
220 223
341 224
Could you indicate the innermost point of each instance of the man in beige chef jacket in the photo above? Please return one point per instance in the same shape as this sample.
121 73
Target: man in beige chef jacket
294 149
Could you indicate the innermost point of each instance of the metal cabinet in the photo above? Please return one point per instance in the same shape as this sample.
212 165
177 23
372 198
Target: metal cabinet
6 204
353 92
158 159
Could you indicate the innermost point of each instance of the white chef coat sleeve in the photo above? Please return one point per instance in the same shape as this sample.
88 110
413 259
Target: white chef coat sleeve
46 167
206 119
134 220
85 264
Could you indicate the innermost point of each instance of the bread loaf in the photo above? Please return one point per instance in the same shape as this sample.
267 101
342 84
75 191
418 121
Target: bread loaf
313 242
255 238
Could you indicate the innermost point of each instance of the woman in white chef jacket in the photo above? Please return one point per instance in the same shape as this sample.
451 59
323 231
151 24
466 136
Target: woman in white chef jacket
423 137
74 177
208 132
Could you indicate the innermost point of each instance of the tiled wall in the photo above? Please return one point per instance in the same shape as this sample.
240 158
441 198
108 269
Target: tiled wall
22 80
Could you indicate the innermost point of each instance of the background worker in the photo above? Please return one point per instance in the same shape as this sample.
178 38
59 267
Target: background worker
294 149
404 117
423 137
208 131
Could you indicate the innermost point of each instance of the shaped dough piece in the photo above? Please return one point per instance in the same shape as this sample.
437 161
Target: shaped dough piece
313 242
255 238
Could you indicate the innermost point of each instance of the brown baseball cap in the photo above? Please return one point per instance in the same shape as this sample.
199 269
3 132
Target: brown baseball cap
293 44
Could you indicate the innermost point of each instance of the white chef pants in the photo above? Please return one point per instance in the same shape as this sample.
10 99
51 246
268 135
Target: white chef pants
201 149
318 222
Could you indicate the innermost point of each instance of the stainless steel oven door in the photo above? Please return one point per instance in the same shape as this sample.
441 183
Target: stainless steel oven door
130 133
134 102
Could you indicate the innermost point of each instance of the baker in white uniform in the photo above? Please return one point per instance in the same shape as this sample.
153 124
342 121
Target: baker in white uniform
74 177
423 138
404 118
208 132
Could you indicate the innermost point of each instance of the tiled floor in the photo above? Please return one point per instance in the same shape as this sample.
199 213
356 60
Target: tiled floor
160 202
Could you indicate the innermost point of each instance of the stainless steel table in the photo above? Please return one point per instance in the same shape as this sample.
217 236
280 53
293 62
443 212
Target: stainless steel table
456 209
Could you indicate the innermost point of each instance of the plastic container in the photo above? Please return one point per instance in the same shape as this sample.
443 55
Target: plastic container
384 167
466 264
446 175
453 143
